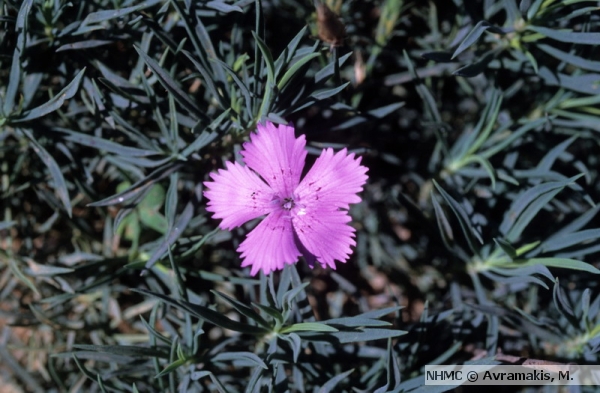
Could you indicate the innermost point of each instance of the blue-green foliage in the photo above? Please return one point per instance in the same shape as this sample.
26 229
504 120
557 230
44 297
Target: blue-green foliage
478 230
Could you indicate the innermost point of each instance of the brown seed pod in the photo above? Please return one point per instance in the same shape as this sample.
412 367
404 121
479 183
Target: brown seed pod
330 28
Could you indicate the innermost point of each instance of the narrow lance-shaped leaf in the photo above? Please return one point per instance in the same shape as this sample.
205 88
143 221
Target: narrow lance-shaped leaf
444 227
104 144
525 207
59 180
474 35
486 165
208 81
571 239
83 45
54 103
567 36
205 136
358 335
294 69
563 263
496 145
207 314
586 64
326 72
330 385
308 327
243 88
474 69
175 232
167 81
13 83
139 186
223 7
125 350
268 58
506 247
243 309
468 231
207 46
101 16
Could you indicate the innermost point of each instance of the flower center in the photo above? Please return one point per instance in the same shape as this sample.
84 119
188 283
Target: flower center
288 204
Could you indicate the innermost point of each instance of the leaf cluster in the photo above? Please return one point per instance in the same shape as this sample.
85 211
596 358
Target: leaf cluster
478 230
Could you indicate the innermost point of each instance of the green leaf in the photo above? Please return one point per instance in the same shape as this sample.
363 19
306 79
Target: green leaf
223 7
474 69
308 327
242 87
208 81
357 335
527 247
13 83
357 321
125 350
247 357
367 335
295 343
586 64
563 263
444 227
54 103
207 314
474 35
378 313
326 93
506 247
485 164
272 312
468 230
291 72
168 83
171 237
203 139
470 142
568 36
267 57
104 144
330 385
83 45
59 181
174 365
243 309
555 243
498 145
101 16
39 270
583 83
15 269
533 9
265 106
14 79
526 207
328 71
139 187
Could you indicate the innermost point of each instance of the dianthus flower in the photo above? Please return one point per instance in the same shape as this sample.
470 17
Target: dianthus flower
302 218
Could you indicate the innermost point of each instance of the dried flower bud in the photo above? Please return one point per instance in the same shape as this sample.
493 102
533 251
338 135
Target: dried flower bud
330 28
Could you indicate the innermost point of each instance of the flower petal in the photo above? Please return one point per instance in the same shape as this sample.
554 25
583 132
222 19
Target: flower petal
325 234
270 245
238 195
276 155
332 182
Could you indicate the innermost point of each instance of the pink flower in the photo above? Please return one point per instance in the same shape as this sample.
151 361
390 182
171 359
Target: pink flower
307 217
